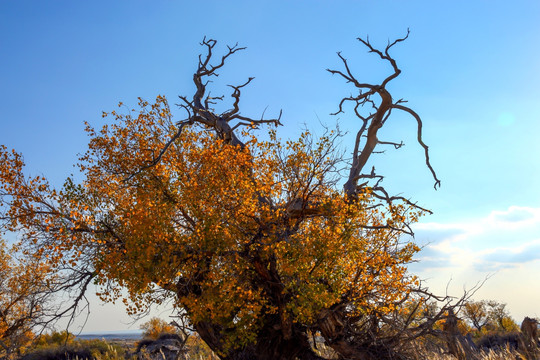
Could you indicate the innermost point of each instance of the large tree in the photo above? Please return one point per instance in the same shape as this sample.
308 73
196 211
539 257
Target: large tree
262 244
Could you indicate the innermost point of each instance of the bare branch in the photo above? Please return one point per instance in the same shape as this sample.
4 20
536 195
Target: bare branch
383 195
396 145
350 77
386 56
382 110
206 116
420 141
203 65
372 175
236 95
157 159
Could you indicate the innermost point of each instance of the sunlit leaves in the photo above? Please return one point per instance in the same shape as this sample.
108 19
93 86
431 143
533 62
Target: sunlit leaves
233 235
23 297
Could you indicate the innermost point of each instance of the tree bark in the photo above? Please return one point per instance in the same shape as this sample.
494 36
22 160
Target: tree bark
271 343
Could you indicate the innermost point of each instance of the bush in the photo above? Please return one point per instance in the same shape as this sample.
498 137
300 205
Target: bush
155 327
499 341
80 350
55 338
198 349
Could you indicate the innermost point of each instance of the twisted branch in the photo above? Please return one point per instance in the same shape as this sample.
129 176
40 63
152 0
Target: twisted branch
380 111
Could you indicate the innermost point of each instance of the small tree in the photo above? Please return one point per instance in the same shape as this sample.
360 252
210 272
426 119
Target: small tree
24 297
488 316
155 327
475 312
500 317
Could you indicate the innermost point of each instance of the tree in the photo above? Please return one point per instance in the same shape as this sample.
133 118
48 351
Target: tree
24 298
155 327
488 315
500 317
476 313
253 240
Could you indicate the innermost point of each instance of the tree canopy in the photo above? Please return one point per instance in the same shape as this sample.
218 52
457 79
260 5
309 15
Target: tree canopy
261 244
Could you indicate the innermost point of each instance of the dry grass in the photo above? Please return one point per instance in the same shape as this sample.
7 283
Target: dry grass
499 354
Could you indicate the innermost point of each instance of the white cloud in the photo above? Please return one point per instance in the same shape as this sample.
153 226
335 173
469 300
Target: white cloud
513 256
515 216
503 245
498 240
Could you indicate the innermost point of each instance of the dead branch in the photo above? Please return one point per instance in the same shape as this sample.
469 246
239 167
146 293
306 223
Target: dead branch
204 115
380 110
420 141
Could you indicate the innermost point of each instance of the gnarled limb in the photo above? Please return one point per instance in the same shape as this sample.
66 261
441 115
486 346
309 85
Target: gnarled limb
380 111
420 141
207 116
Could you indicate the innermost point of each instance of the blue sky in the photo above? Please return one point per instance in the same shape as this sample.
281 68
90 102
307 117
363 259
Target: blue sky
471 69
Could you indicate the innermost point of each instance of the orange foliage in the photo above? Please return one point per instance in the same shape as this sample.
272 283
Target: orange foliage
213 226
488 316
155 327
22 298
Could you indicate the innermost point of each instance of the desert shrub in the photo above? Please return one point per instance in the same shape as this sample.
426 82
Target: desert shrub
54 338
167 346
155 327
80 350
499 341
143 343
197 348
16 344
166 336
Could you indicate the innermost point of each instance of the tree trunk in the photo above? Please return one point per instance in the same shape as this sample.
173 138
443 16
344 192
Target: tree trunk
271 344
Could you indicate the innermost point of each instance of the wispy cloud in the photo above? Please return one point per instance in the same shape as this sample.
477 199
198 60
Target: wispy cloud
499 240
516 215
513 255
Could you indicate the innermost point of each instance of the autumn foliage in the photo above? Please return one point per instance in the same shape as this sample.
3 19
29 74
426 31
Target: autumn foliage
155 327
252 238
23 298
488 316
194 225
